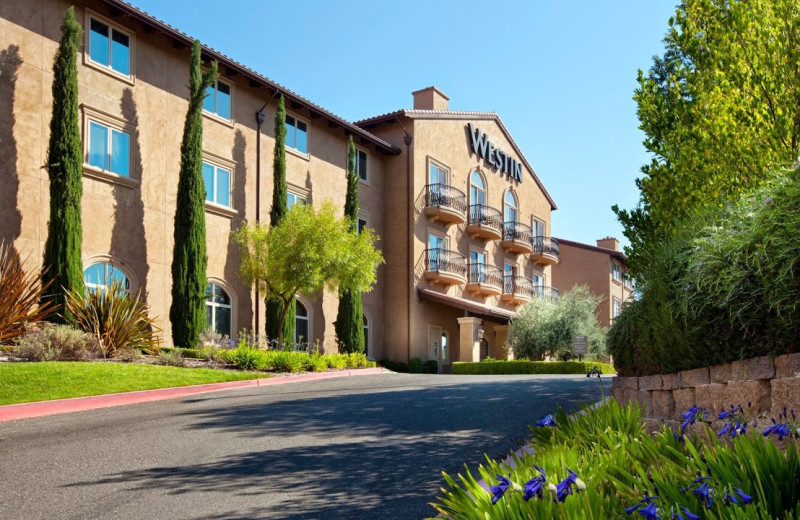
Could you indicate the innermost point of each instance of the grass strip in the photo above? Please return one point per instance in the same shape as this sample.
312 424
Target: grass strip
22 382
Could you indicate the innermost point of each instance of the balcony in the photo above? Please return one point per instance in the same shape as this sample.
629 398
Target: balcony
485 279
517 289
517 238
445 267
445 204
485 222
543 291
545 250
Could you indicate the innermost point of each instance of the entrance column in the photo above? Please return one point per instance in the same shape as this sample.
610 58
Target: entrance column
469 344
501 338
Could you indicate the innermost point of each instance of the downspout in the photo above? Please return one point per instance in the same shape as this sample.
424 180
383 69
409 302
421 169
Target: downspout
409 241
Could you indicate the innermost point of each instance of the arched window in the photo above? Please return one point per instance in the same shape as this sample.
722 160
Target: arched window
218 309
477 191
301 324
100 276
366 335
443 354
509 207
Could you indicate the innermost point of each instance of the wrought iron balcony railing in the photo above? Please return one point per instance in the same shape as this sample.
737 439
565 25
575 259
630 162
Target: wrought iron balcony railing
443 195
545 245
483 215
517 231
444 260
485 274
518 285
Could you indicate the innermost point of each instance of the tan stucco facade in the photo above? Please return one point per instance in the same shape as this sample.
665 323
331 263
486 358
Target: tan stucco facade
602 268
128 220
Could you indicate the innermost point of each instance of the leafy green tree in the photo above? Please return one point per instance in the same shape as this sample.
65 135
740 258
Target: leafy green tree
719 109
546 326
349 323
306 252
278 211
189 260
62 269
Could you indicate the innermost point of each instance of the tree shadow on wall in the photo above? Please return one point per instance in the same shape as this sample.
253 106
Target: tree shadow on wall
128 239
10 216
239 202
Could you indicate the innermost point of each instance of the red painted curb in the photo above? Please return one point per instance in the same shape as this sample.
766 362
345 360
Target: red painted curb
14 412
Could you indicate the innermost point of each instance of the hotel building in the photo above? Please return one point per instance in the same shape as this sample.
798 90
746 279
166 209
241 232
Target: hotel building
463 219
603 268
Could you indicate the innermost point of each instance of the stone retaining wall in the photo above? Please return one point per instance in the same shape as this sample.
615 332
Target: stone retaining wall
768 384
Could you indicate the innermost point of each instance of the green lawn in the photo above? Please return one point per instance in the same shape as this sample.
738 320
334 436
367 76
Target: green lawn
28 382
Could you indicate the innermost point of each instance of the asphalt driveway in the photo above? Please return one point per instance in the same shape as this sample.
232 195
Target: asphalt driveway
369 447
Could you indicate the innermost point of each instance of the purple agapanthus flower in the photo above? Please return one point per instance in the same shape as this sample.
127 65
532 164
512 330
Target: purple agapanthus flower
547 420
706 494
782 429
744 497
646 500
564 488
678 515
694 414
500 489
534 487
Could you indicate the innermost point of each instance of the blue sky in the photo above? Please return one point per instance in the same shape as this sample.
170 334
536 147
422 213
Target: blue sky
560 74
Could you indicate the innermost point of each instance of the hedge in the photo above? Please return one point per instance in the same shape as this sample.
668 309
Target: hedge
528 367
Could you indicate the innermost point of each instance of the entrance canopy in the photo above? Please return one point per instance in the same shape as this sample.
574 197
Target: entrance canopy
478 309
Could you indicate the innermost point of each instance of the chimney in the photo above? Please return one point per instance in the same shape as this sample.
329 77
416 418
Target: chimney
608 243
430 98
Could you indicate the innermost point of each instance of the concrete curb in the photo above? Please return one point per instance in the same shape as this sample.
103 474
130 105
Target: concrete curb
15 412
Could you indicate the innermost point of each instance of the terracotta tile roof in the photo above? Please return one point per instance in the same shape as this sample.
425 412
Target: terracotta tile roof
619 255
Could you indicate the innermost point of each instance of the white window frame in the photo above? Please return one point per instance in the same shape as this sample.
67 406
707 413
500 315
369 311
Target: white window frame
433 163
215 113
214 305
307 318
616 271
616 307
293 149
362 176
87 58
113 123
298 199
535 227
111 265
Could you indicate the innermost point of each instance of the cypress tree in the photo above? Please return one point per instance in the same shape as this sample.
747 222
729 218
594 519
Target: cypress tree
62 251
349 323
278 211
189 259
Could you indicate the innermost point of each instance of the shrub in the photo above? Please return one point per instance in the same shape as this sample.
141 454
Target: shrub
314 362
523 366
430 367
338 361
20 295
118 320
282 361
357 360
49 342
415 365
172 358
248 358
394 366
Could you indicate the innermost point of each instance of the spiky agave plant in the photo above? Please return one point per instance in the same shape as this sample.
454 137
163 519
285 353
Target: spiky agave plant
120 321
20 295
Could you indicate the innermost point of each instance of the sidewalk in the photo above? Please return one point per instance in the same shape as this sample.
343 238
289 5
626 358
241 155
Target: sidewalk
14 412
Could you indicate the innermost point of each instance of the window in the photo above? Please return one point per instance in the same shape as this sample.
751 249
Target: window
477 191
477 266
437 252
366 335
109 149
218 309
362 224
301 323
109 47
218 100
100 276
508 275
361 165
437 175
616 308
616 271
538 228
297 134
509 207
218 184
293 198
628 280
